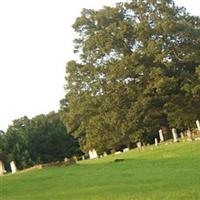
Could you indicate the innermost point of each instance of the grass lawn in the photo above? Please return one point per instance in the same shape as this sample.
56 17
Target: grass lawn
165 172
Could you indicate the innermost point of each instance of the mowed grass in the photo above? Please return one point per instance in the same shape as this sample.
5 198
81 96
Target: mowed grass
164 172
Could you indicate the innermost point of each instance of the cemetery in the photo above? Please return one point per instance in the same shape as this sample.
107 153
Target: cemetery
187 136
165 171
128 124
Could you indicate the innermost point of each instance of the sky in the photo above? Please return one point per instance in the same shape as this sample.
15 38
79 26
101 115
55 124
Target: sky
36 42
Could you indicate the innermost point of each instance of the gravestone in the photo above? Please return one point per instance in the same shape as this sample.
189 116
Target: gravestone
161 135
65 159
83 157
139 145
175 136
117 152
198 125
189 135
93 154
75 158
2 169
182 136
13 167
126 150
156 142
104 154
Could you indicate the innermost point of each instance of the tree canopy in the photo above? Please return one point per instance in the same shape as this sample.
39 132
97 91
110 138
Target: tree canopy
138 70
39 140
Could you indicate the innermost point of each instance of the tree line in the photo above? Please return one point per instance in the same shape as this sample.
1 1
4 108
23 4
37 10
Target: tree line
138 70
39 140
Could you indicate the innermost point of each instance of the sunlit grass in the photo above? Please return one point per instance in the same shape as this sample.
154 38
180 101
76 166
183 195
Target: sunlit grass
163 172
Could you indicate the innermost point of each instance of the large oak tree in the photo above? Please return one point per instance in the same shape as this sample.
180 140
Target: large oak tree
138 70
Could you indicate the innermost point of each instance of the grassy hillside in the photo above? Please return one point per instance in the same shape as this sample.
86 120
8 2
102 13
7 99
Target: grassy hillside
165 172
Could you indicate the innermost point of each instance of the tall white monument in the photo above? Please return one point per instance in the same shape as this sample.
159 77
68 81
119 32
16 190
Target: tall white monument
156 142
161 135
175 137
198 125
13 167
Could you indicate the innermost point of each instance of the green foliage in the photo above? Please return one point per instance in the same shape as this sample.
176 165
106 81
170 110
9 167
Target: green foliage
17 144
41 139
138 71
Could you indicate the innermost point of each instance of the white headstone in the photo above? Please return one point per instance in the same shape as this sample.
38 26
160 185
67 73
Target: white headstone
161 135
182 136
156 142
75 158
104 154
13 167
189 135
93 154
198 125
117 152
175 137
2 169
139 145
126 150
83 157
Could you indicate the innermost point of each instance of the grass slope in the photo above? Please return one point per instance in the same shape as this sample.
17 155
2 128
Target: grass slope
166 172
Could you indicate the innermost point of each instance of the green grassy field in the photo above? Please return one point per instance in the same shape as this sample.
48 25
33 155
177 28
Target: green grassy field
165 172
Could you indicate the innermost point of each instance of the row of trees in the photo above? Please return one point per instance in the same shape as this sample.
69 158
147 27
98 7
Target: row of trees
138 70
42 139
